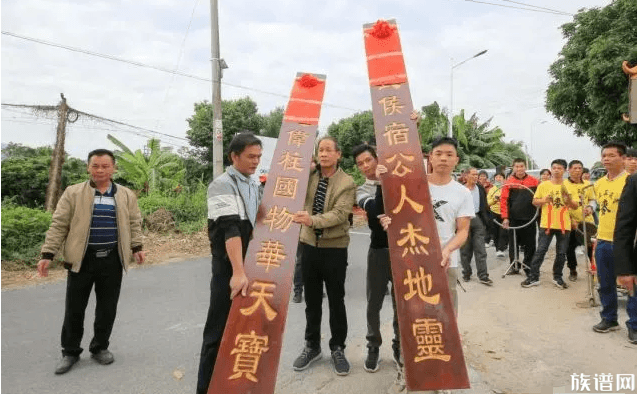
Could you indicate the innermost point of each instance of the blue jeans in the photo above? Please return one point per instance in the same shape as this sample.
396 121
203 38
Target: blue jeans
607 286
544 240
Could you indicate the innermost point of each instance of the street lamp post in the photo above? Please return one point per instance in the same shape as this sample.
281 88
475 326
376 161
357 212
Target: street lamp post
451 90
531 137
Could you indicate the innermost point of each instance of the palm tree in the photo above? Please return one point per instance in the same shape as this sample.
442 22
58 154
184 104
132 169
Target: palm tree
482 146
147 172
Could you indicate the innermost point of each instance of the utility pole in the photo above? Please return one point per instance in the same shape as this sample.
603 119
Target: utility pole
217 126
55 170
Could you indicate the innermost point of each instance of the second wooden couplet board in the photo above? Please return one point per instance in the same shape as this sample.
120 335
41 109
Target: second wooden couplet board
429 335
250 350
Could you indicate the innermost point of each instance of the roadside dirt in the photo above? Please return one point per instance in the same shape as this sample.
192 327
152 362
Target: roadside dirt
533 340
160 249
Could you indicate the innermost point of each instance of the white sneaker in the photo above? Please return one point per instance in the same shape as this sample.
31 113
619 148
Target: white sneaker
499 253
400 380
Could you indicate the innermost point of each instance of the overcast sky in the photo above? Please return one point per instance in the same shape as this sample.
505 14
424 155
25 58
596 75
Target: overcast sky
265 43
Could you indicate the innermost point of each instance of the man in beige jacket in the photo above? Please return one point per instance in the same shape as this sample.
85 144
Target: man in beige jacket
97 227
324 241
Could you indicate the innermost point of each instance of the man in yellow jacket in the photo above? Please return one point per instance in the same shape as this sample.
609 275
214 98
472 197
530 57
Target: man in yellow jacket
97 226
500 235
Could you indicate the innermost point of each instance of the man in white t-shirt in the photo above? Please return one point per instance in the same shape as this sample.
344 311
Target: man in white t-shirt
453 207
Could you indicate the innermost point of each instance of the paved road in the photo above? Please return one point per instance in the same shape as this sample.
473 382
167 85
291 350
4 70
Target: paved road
158 332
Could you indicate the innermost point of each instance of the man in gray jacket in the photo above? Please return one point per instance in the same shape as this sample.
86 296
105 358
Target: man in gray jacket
97 226
233 201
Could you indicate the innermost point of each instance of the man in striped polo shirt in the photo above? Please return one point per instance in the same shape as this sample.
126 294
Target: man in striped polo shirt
97 227
324 240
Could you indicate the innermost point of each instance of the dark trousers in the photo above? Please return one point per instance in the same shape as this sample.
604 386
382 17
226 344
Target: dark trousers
327 265
378 277
218 312
525 237
488 233
500 235
561 244
576 239
106 274
475 246
298 272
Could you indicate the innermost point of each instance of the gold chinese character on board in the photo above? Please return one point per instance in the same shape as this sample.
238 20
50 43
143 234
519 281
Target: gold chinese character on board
430 346
285 187
395 86
261 294
278 219
248 350
297 137
401 170
271 254
420 285
403 198
291 161
416 241
397 133
391 105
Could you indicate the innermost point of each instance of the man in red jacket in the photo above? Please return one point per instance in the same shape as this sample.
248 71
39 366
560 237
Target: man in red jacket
516 208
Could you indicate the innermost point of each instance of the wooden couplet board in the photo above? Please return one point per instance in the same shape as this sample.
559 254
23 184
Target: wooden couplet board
632 91
250 350
429 334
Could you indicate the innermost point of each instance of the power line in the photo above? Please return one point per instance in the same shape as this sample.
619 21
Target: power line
26 121
535 6
179 56
176 72
99 118
521 8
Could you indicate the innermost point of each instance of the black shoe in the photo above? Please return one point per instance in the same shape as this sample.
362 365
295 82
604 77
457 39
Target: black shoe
605 326
466 278
298 298
396 354
632 335
486 281
560 283
530 283
340 363
307 357
573 276
372 362
65 364
103 357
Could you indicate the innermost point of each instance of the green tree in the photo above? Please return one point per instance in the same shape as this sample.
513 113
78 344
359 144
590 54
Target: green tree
433 124
25 173
159 169
237 116
350 132
480 145
14 150
589 91
272 123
